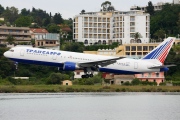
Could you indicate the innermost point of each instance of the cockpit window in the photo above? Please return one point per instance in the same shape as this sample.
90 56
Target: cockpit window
11 50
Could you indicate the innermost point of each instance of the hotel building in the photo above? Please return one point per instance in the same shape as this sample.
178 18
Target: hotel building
106 27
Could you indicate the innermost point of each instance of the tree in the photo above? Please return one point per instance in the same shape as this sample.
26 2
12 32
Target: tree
106 5
74 47
1 9
160 34
111 8
138 8
82 11
57 78
150 8
53 28
136 36
10 14
178 23
57 18
23 21
10 39
46 21
25 12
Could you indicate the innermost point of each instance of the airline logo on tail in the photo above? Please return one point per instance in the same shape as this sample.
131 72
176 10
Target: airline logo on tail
161 51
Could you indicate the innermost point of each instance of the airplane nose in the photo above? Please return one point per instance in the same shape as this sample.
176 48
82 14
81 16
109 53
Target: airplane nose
5 54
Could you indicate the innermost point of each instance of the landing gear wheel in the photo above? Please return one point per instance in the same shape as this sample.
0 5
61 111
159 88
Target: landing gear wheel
91 75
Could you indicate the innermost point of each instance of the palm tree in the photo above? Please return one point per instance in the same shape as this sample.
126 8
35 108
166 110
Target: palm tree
10 39
136 36
106 5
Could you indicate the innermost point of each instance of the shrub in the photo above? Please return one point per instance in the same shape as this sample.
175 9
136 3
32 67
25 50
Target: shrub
127 83
136 81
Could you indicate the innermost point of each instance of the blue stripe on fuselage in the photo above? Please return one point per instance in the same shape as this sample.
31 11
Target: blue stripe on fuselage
117 71
37 62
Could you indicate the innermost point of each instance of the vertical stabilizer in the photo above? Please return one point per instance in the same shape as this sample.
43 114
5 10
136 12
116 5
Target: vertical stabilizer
161 51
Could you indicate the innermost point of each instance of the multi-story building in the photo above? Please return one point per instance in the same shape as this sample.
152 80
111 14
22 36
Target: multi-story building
157 6
106 27
45 39
20 34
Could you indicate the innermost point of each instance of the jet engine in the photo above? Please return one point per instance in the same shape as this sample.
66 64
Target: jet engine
70 66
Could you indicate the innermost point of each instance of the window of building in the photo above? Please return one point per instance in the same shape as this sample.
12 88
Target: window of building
133 53
145 48
133 48
151 48
157 74
132 18
139 48
127 48
139 53
127 53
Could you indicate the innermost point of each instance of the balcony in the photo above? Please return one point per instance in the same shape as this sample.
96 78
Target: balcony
14 33
23 38
50 45
3 38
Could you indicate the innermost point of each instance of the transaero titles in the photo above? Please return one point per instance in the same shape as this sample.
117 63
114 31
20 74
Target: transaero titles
43 52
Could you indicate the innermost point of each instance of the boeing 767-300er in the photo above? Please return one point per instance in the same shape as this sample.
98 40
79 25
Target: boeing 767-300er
70 61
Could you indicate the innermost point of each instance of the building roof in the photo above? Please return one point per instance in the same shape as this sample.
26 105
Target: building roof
67 29
39 30
64 28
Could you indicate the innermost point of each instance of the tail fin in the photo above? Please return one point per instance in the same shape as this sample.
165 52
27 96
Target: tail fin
161 51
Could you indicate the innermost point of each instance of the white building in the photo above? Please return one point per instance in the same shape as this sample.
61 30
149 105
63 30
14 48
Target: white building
157 6
106 27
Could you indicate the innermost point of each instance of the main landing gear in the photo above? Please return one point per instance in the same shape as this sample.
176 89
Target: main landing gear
86 71
87 75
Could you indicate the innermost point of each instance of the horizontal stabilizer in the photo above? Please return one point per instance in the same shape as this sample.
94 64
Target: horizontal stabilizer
162 66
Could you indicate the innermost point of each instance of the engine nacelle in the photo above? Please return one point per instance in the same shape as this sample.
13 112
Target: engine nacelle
70 66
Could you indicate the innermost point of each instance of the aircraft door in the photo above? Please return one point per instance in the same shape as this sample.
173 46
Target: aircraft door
135 65
22 52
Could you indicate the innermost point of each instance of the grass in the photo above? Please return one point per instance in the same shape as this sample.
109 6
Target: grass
84 88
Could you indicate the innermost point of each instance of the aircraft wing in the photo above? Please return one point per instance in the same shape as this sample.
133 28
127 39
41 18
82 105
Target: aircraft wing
99 63
162 66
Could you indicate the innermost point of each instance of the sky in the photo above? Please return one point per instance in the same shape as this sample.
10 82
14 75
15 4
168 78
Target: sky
70 8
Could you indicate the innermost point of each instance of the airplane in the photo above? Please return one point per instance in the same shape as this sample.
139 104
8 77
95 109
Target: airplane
71 61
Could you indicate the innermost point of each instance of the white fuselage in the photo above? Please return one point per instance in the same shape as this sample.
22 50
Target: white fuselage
57 58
